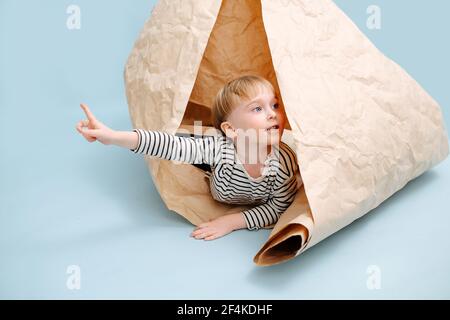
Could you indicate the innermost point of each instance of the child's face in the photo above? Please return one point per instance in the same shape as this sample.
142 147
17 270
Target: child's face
261 118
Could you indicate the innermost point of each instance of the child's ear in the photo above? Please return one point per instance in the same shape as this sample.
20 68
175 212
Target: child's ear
228 129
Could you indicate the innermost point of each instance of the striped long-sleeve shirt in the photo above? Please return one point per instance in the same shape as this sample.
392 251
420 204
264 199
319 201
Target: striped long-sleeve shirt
271 193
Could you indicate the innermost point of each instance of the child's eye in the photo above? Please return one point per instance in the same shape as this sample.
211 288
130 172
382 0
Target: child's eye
257 109
275 106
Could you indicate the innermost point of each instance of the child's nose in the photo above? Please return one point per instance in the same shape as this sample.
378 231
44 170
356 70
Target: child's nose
270 113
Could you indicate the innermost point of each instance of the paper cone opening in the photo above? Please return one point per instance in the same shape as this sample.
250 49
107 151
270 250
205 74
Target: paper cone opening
229 54
284 245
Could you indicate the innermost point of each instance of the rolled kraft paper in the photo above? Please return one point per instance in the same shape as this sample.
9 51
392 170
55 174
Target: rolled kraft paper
360 125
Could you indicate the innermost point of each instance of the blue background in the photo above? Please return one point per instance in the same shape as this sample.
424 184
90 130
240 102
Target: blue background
66 202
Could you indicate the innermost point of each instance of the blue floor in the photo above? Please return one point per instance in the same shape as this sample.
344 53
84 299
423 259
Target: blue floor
65 202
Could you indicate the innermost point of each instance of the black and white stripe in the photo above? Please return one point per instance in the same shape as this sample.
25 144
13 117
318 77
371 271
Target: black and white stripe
229 182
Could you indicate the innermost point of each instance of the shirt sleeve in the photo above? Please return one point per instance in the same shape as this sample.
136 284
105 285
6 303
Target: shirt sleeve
289 181
268 213
170 147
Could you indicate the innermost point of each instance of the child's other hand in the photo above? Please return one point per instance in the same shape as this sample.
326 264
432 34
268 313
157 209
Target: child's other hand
214 229
92 129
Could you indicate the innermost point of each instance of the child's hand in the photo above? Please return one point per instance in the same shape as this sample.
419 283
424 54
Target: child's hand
92 129
219 227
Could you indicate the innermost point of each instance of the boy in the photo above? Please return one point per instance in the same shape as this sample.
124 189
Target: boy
265 173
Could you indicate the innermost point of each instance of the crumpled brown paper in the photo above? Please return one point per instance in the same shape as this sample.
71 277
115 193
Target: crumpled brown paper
361 126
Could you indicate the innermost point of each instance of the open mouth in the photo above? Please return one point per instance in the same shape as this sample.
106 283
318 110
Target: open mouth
275 127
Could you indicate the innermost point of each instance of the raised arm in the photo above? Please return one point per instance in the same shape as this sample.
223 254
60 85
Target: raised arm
153 143
94 130
171 147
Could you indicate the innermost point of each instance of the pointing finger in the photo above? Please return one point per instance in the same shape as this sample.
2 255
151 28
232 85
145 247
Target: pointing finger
88 112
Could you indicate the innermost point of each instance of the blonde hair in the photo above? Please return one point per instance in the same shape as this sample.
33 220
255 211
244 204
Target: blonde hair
232 94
